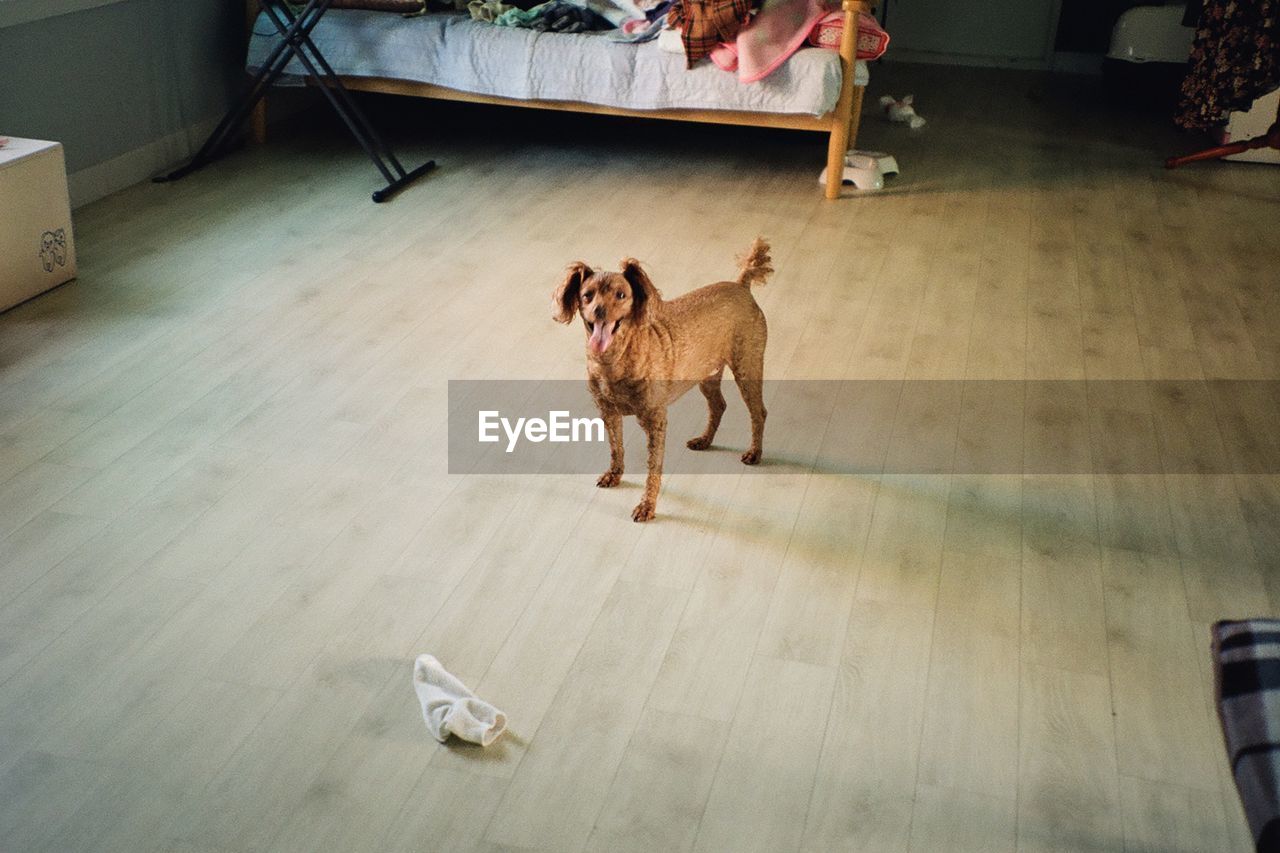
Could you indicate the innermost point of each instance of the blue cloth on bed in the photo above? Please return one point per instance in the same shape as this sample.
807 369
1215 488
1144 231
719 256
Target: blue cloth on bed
556 16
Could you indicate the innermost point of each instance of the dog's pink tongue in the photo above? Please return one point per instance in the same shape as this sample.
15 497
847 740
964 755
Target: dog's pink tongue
601 335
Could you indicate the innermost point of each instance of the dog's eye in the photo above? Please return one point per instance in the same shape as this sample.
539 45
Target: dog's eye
588 296
622 294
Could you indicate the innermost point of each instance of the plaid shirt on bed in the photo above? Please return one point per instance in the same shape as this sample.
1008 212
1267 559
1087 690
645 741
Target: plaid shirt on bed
1247 668
703 24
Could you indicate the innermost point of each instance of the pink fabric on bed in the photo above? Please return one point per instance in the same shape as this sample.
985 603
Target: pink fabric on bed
872 39
777 31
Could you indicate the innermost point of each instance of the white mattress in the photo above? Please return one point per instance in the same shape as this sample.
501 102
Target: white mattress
456 52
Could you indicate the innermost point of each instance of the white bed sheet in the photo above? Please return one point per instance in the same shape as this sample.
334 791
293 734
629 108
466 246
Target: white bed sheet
459 53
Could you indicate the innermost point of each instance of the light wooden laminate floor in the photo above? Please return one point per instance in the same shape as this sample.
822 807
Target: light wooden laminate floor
226 525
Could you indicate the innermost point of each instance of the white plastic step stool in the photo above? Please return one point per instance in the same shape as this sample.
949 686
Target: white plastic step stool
866 170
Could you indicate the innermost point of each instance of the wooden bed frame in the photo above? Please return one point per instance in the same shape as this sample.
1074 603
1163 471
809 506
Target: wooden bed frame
841 123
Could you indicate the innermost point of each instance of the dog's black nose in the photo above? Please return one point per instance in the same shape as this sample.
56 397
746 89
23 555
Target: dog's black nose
599 312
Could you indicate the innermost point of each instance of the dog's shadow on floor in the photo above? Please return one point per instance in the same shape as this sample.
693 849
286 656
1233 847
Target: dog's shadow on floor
727 459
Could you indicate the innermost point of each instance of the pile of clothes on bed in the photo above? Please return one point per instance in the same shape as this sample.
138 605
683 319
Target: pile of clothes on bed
557 16
751 38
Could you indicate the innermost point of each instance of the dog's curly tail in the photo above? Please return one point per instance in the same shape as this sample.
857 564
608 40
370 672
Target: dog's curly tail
756 266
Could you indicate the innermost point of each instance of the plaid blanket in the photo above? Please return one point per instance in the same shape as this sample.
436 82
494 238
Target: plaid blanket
1247 669
704 24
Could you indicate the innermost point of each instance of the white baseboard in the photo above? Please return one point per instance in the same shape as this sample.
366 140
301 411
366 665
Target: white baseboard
930 57
14 12
98 181
1067 63
101 180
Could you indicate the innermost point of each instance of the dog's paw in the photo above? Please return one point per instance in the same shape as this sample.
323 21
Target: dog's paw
609 479
643 511
699 443
751 457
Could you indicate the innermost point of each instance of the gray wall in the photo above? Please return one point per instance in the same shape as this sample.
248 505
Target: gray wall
110 80
996 30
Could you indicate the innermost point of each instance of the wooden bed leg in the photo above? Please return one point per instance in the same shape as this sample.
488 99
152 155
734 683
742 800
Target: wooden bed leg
855 116
835 161
258 123
845 117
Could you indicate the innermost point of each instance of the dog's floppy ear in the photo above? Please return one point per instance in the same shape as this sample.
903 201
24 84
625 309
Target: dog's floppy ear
643 293
565 298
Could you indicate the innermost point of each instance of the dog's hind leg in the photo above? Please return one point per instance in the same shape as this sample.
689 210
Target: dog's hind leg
710 388
753 396
613 426
655 427
747 372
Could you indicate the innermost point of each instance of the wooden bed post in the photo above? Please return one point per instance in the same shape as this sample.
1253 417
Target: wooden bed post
848 111
257 118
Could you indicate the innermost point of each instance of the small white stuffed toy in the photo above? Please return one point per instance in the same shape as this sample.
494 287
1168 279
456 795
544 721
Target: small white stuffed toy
902 111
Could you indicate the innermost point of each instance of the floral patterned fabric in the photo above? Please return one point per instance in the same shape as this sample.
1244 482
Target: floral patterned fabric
1234 61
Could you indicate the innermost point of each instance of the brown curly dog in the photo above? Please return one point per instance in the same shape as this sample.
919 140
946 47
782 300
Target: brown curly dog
644 352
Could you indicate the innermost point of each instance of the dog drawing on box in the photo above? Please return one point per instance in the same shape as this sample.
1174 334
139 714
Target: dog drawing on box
644 352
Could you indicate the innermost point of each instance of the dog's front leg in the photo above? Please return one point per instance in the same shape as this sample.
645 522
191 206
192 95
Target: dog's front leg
613 426
655 427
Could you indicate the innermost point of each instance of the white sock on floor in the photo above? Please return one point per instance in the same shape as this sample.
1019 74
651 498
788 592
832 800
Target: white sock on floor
448 707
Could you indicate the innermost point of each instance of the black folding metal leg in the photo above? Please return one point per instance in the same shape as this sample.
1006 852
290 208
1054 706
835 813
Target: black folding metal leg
295 42
267 74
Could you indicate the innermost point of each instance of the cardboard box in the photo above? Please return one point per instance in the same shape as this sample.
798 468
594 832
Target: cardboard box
1256 122
37 249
